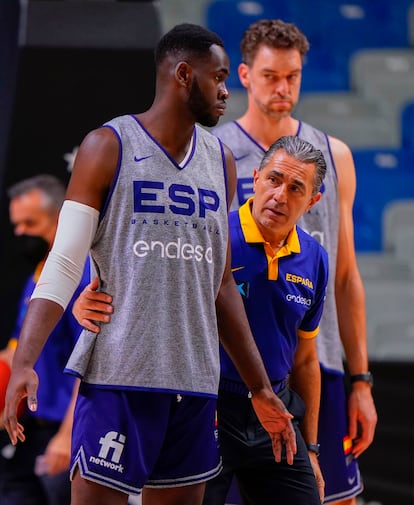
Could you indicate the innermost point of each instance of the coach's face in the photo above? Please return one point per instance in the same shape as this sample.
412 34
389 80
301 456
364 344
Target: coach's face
283 192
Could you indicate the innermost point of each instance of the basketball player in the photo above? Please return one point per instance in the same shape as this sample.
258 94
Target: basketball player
148 199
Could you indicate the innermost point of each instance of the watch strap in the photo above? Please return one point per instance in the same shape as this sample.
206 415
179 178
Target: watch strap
363 377
314 448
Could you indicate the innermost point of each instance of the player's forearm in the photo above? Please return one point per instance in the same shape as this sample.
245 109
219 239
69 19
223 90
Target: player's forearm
41 317
305 380
350 301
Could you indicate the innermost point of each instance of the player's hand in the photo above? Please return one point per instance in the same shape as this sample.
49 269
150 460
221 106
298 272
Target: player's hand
93 307
276 420
23 383
320 482
362 417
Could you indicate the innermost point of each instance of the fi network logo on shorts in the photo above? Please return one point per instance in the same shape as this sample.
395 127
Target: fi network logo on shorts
112 445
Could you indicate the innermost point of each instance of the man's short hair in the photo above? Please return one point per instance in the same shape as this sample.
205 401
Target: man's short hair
301 150
186 39
53 188
273 33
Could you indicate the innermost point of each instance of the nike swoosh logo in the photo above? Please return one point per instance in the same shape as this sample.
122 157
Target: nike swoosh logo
238 158
41 284
142 159
351 480
237 268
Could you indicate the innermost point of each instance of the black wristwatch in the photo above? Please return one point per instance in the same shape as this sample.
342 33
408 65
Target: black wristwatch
314 448
364 377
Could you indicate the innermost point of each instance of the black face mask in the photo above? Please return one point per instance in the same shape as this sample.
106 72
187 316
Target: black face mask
32 248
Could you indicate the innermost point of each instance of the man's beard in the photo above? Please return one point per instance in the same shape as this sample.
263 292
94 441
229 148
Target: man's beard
200 107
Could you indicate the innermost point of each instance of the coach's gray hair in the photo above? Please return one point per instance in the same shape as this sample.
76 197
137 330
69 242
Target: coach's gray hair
302 151
51 187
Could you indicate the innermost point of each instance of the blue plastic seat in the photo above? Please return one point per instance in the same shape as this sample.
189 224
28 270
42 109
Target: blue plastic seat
336 29
383 176
407 126
229 19
347 26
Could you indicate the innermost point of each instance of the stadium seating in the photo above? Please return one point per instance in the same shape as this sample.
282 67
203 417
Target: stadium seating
230 18
354 119
381 265
394 338
407 125
384 75
347 26
336 29
411 24
383 176
398 226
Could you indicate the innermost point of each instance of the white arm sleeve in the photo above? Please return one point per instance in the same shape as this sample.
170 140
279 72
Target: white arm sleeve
64 266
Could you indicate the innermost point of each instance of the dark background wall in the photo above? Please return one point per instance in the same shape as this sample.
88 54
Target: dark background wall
387 466
65 68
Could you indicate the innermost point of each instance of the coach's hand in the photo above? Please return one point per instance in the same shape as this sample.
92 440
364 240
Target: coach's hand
93 307
276 420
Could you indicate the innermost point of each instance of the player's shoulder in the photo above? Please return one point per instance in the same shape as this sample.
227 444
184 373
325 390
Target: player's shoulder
338 148
336 145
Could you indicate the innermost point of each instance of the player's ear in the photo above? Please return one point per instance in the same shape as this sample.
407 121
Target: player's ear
243 71
183 72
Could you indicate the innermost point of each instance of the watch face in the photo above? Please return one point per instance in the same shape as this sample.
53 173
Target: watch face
314 448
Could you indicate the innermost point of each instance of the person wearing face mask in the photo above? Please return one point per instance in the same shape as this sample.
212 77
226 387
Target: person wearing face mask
32 248
36 472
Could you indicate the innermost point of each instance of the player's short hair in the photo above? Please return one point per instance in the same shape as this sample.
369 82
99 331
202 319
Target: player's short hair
273 33
186 39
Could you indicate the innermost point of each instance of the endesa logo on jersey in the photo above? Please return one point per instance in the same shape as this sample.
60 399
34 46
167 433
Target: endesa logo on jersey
191 204
175 249
299 299
182 199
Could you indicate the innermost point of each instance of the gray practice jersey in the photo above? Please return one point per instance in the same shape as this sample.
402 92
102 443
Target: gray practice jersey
321 221
160 250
